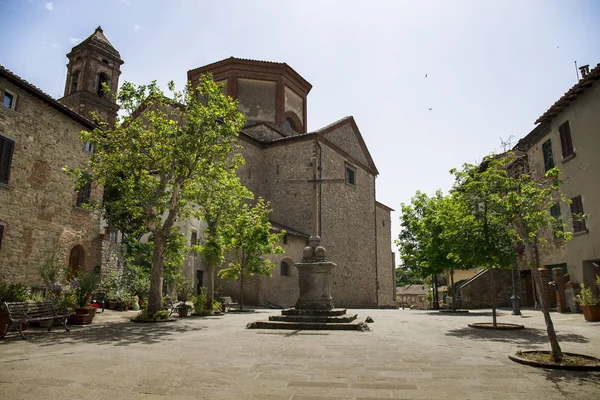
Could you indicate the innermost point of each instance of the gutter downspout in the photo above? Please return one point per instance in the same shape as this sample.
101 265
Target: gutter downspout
376 249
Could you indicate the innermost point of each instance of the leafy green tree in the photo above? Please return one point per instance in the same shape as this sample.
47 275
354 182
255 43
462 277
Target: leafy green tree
249 238
424 242
407 276
481 225
528 204
218 205
160 153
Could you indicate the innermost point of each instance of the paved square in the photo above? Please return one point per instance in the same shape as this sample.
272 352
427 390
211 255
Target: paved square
408 355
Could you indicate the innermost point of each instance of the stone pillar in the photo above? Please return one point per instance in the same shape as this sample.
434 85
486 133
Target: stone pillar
559 284
314 273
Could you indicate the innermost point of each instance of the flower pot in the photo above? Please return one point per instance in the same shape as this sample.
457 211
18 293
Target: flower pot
183 312
120 306
112 305
591 312
47 323
82 316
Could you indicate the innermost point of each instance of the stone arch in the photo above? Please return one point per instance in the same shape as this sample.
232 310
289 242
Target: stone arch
76 259
102 78
286 267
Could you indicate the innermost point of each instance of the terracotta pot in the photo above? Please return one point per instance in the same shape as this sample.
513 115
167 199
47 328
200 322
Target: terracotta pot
82 316
112 305
591 312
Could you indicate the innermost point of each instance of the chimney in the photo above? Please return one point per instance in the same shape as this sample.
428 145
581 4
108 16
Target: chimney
585 70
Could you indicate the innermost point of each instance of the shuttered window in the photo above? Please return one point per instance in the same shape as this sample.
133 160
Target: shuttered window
7 147
577 213
548 157
565 139
558 225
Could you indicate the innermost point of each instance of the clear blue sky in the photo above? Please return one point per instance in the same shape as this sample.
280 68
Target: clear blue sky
492 67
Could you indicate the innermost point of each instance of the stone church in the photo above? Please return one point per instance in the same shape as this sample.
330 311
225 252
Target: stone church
278 148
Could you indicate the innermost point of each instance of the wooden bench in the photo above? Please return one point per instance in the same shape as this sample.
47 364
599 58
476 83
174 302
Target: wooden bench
20 313
227 302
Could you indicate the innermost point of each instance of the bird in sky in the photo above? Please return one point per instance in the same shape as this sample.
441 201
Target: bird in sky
425 74
430 109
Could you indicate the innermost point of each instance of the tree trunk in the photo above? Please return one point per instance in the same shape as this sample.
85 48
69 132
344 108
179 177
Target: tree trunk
493 296
534 252
436 298
242 290
156 275
453 289
210 282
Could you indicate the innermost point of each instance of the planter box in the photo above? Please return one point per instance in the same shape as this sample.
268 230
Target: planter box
82 316
592 312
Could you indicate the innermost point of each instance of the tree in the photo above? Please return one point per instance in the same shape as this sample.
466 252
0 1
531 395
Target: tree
528 204
249 238
218 205
423 242
407 276
481 224
161 152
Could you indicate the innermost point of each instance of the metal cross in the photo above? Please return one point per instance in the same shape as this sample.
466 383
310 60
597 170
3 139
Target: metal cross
315 198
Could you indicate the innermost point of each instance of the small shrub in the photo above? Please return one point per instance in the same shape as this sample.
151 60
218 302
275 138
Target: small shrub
217 306
585 296
158 316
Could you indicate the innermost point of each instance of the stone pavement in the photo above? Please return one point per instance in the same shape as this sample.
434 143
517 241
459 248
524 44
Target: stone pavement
409 355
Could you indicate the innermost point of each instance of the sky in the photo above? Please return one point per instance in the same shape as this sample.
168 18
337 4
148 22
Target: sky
431 84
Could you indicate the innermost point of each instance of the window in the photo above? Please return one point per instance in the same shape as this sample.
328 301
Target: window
194 238
9 100
7 147
350 175
577 214
1 234
89 147
112 236
74 82
101 80
565 140
285 269
290 123
548 158
285 239
557 226
84 192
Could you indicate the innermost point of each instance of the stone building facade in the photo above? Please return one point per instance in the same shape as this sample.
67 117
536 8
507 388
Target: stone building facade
355 228
40 213
567 137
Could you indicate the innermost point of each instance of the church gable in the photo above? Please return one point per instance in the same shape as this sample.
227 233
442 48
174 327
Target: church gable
345 135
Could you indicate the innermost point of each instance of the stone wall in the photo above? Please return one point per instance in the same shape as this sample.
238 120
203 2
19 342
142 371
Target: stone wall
478 292
385 267
37 207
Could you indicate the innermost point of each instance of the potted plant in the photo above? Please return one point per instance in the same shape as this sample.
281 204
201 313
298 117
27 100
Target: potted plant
10 292
217 307
183 309
84 285
589 304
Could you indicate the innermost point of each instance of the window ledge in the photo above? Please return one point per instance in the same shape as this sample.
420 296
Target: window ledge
579 233
568 158
81 209
5 186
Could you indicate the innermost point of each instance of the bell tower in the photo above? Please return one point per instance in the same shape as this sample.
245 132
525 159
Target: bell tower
92 63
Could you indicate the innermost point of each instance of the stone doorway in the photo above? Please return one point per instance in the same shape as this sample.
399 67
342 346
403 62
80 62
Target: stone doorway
76 259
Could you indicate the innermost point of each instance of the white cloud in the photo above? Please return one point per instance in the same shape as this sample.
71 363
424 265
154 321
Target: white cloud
136 27
49 6
74 40
55 46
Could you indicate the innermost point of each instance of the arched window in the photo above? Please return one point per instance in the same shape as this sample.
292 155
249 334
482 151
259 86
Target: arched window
284 268
74 82
102 78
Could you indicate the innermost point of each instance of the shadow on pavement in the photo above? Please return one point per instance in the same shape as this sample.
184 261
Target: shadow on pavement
556 377
523 336
114 334
469 314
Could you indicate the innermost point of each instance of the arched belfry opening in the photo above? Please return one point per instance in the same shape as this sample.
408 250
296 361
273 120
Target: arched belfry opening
76 260
102 80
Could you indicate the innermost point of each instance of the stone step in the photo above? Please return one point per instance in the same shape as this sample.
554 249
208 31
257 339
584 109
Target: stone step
333 312
313 326
336 319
